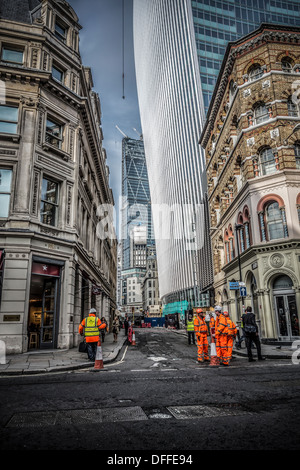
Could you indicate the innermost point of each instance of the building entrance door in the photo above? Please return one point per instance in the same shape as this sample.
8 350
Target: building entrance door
43 306
287 316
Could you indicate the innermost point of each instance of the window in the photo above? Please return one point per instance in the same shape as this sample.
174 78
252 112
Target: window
297 155
8 119
14 56
292 107
261 113
49 202
5 190
274 221
255 72
286 64
57 74
60 31
267 162
53 133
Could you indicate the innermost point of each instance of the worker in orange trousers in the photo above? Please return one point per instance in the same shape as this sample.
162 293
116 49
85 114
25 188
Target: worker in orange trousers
232 332
201 332
222 331
218 311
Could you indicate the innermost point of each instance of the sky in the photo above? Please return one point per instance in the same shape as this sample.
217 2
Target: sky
101 48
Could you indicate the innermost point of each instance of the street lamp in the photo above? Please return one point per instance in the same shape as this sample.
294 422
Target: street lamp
239 227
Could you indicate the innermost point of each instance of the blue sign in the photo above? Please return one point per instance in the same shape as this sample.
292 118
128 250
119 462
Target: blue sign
243 291
234 285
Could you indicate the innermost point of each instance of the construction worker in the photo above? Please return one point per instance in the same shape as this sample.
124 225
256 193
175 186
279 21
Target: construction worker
190 327
201 332
222 330
90 327
232 332
218 311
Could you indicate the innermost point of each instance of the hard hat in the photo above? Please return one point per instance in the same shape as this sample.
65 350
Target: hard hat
218 308
199 310
93 310
225 313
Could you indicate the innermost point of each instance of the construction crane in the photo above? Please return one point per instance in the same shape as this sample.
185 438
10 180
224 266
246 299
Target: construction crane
122 132
140 135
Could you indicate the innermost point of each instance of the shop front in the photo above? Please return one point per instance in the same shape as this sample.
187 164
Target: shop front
43 315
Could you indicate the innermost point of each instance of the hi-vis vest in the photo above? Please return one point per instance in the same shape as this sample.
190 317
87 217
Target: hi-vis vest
91 328
190 325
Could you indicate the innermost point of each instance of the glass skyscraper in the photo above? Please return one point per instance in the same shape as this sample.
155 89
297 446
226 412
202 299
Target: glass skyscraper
136 206
218 22
179 46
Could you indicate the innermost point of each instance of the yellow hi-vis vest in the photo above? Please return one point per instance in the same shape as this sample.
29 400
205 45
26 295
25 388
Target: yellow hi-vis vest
91 328
190 325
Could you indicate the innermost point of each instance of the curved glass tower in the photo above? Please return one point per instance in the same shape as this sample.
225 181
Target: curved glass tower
172 113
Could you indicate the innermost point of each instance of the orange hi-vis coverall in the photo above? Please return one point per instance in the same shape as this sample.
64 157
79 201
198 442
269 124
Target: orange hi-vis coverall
222 329
201 333
217 337
232 332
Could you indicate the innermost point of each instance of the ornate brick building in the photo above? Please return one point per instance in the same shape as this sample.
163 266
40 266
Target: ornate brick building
252 144
53 178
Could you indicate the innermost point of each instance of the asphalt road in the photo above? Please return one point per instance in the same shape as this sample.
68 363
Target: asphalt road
155 398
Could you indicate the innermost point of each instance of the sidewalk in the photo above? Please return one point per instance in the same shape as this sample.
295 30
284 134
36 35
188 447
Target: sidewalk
57 360
269 351
38 362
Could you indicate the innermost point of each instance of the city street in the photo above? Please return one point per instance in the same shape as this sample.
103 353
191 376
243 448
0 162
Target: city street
155 397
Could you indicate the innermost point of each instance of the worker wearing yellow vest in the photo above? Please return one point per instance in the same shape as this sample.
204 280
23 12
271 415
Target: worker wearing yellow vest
201 332
232 332
90 327
190 328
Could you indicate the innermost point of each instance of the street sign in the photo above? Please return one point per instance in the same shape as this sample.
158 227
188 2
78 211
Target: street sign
234 285
243 291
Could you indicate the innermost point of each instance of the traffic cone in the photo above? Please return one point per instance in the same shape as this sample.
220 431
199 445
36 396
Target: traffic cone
214 360
133 338
99 358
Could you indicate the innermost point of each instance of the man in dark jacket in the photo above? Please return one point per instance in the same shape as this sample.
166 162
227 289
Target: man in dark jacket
251 334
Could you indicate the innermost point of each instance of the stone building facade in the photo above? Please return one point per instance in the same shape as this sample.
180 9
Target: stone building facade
57 260
252 144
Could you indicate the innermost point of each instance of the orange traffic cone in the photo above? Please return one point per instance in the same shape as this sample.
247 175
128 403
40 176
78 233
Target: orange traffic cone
214 360
133 339
99 358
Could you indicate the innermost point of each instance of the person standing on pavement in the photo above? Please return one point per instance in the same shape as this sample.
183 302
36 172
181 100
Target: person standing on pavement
104 330
90 327
115 328
126 325
251 334
190 328
222 331
232 332
201 332
218 311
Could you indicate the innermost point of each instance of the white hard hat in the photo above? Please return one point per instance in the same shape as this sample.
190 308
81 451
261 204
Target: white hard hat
218 308
93 310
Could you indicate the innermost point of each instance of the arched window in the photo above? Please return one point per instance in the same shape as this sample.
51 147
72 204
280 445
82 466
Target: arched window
274 222
292 107
267 161
287 64
261 113
255 72
229 245
272 218
297 154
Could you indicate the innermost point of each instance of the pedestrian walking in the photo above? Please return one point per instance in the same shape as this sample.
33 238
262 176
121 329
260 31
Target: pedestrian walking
201 333
232 332
90 328
190 328
115 328
251 334
222 330
104 330
126 325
